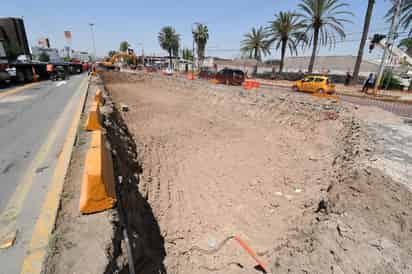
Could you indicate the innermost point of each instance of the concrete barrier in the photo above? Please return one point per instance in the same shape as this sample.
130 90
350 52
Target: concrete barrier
93 119
98 189
98 97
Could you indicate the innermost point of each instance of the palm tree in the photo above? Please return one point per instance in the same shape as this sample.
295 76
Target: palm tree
169 41
406 14
366 24
111 53
200 36
323 20
256 44
407 44
124 46
187 54
287 32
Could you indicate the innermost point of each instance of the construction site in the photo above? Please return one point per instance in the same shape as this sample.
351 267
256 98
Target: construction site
218 179
206 137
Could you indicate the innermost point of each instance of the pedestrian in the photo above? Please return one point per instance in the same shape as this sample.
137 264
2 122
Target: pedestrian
369 83
348 78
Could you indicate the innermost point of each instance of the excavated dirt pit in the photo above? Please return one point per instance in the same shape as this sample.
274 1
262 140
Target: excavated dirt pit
277 169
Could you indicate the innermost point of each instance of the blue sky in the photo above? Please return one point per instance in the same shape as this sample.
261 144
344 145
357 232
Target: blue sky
139 22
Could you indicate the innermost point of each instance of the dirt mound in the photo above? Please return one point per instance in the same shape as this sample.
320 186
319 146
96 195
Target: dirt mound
278 169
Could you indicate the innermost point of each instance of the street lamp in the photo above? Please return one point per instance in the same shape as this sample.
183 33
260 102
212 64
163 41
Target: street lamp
94 44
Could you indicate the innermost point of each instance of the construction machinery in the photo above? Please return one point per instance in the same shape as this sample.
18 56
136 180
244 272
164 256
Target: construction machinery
119 59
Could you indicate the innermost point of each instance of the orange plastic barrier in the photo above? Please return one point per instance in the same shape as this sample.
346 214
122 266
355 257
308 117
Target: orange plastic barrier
93 119
250 84
98 97
190 76
98 189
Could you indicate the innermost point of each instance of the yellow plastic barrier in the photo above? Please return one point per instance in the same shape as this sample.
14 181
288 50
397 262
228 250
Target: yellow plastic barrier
98 190
98 97
93 119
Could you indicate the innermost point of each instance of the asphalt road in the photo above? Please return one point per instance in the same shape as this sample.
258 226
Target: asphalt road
33 128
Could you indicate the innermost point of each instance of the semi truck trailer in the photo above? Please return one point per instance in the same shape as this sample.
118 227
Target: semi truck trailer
16 63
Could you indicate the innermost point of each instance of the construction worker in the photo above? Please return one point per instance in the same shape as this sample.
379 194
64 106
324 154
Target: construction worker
348 78
369 83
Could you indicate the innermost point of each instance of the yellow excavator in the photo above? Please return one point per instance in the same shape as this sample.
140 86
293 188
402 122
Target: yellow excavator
113 62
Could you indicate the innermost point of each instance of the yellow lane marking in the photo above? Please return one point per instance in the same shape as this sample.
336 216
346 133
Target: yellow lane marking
9 216
37 251
18 89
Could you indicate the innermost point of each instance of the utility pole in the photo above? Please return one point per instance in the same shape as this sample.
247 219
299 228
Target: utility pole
94 44
390 39
193 46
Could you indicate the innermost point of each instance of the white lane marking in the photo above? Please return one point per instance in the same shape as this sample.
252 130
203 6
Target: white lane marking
61 83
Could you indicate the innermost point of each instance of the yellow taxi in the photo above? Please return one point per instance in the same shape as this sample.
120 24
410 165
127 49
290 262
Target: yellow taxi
315 83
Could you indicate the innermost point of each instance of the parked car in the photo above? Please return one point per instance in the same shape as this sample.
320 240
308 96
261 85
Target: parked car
151 69
168 71
207 73
230 76
59 73
315 83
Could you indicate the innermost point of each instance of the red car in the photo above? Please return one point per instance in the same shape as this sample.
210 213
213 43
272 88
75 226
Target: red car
230 77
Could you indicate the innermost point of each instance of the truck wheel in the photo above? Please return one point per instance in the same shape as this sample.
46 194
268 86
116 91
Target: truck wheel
28 75
20 76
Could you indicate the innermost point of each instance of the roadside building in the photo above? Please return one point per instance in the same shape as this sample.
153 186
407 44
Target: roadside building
51 52
338 65
246 65
82 56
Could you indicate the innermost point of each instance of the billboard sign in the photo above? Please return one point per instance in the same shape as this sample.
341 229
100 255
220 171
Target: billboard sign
68 36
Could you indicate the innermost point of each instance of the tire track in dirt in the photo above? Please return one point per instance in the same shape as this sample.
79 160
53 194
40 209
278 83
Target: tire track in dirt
223 161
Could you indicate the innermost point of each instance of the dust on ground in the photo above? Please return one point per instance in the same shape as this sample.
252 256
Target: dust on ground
287 173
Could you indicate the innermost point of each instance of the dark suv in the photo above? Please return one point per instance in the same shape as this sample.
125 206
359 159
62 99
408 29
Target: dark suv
207 73
230 76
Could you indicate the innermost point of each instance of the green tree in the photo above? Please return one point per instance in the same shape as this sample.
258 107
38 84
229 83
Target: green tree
44 57
255 44
324 21
187 54
406 43
406 15
124 46
111 53
169 41
286 31
200 36
366 24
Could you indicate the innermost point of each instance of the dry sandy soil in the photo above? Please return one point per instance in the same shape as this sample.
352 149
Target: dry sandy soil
286 172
